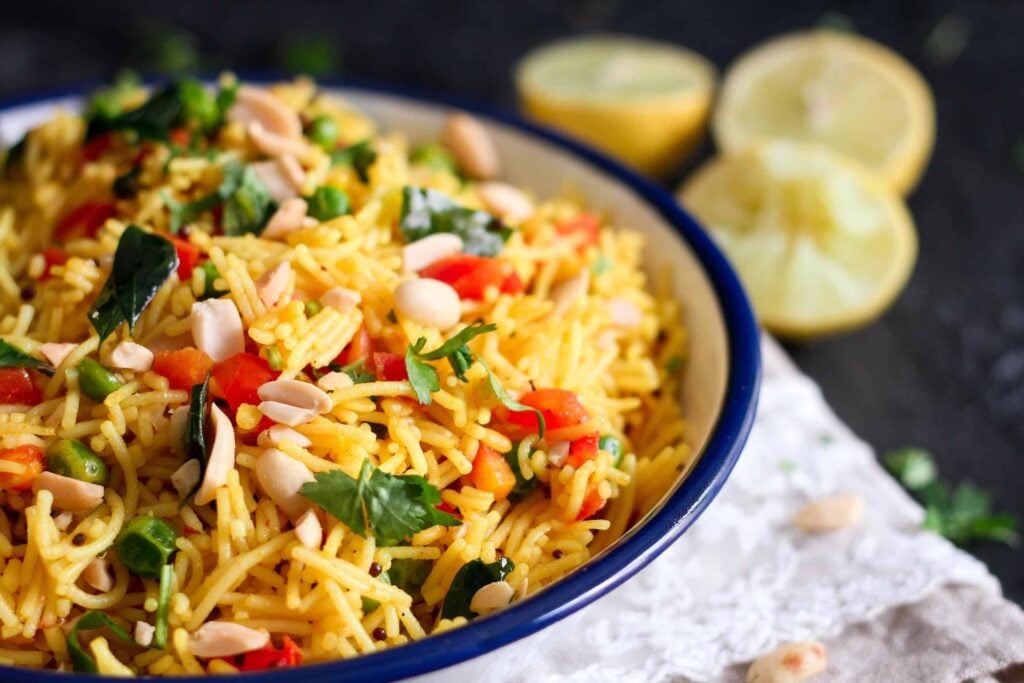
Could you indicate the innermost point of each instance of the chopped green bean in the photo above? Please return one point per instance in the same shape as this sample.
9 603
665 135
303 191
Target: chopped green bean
145 545
96 381
274 359
72 458
162 606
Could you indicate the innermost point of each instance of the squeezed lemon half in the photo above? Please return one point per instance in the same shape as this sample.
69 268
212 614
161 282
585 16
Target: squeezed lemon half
840 90
821 243
642 101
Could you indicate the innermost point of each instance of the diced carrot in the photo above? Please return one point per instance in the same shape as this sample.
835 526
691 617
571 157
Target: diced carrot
183 368
582 229
359 348
30 458
240 377
592 504
492 473
181 137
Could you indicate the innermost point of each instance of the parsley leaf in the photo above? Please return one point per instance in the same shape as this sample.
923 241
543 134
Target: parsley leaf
82 661
963 514
13 357
390 507
473 576
359 156
510 402
427 212
142 263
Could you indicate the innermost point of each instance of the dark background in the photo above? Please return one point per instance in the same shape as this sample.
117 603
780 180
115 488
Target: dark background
944 369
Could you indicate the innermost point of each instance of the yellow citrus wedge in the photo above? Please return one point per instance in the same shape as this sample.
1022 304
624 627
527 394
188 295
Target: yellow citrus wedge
820 242
642 101
841 90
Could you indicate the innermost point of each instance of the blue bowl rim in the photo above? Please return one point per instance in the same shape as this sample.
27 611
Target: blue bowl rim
643 544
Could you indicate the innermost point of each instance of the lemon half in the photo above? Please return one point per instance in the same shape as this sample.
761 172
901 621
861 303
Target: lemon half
841 90
643 101
821 244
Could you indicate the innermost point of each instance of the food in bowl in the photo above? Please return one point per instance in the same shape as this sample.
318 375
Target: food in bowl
280 388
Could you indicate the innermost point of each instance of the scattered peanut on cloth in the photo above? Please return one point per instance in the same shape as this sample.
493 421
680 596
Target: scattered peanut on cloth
790 663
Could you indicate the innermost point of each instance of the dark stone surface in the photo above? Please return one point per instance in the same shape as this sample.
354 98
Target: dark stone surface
944 369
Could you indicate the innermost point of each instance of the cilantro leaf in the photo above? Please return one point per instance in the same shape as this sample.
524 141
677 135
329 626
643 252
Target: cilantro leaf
183 213
473 576
428 212
422 376
358 372
359 156
524 487
142 263
510 402
963 514
13 357
249 207
390 507
455 343
80 660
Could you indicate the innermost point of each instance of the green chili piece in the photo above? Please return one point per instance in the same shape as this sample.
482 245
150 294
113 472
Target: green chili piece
274 359
72 458
611 445
163 606
96 381
145 545
327 203
323 132
369 604
434 155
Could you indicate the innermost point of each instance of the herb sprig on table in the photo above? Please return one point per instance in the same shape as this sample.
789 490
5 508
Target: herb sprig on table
962 514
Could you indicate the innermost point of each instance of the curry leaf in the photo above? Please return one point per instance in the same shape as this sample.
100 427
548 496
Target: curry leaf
359 156
473 576
179 103
428 212
195 427
142 263
249 207
13 357
510 402
82 661
390 507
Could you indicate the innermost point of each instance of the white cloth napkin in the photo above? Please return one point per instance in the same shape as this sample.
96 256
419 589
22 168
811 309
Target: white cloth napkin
743 580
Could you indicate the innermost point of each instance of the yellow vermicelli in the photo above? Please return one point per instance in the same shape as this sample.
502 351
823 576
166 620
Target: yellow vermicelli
571 312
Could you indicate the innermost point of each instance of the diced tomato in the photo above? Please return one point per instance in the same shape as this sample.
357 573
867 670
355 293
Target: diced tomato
445 506
29 457
183 368
84 221
559 407
181 137
583 229
582 450
470 276
240 376
492 473
592 504
52 256
389 367
360 347
269 657
94 149
188 257
17 387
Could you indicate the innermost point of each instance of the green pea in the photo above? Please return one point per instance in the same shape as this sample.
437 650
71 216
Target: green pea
312 308
369 604
434 155
327 203
145 545
611 445
71 458
96 381
324 132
